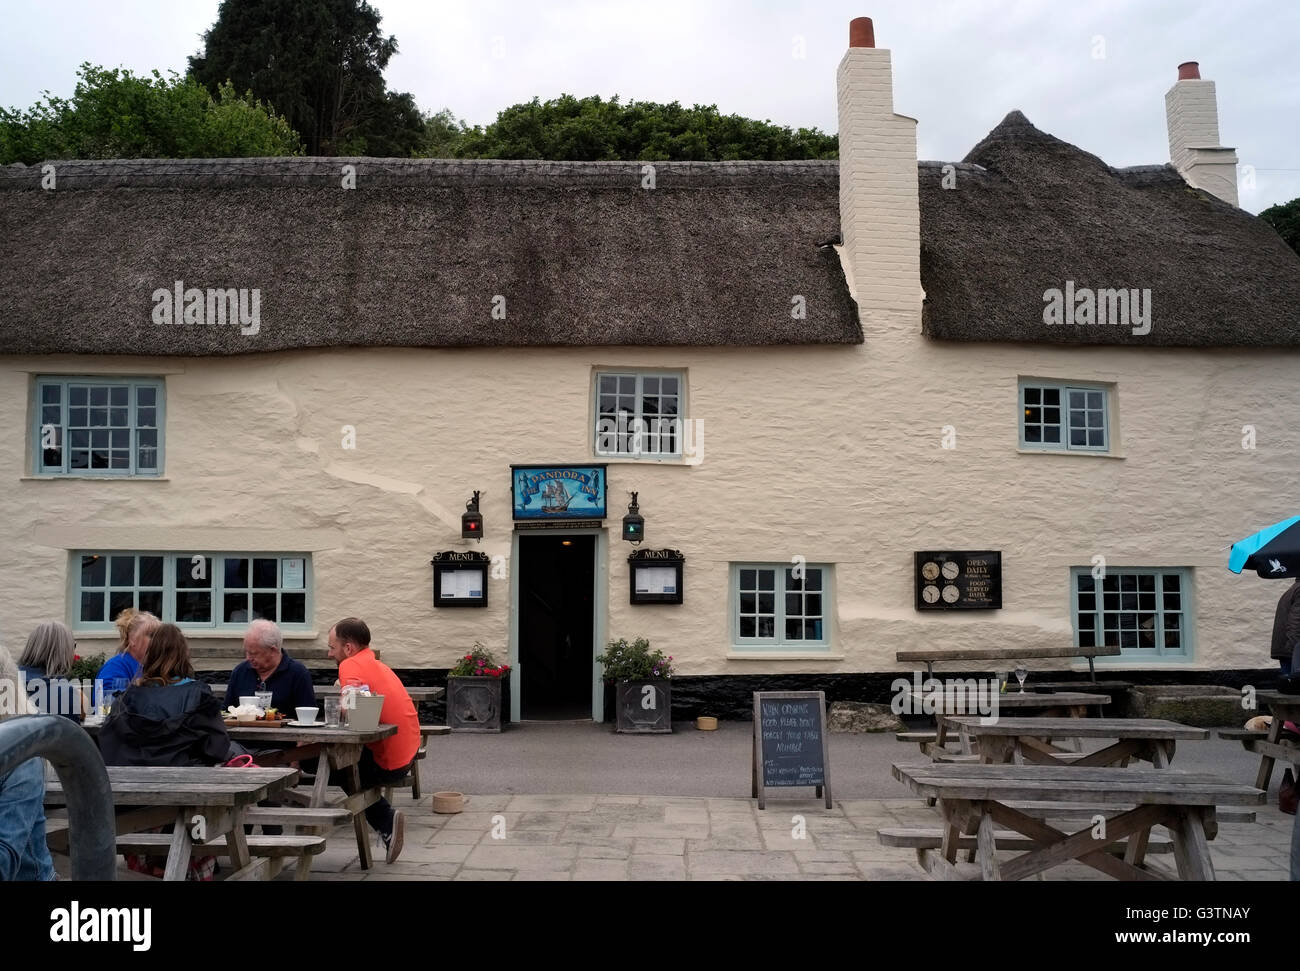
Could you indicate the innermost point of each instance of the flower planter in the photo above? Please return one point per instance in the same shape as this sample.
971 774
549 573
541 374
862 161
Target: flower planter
644 707
476 704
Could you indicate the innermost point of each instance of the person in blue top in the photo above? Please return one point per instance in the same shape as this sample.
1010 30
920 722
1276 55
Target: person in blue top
126 663
24 854
46 663
268 667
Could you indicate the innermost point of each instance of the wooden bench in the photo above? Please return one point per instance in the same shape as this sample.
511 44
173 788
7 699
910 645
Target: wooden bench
413 773
269 852
1241 735
932 839
995 655
216 657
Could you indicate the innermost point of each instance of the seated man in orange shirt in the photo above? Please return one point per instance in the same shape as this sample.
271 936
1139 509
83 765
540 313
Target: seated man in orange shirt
385 761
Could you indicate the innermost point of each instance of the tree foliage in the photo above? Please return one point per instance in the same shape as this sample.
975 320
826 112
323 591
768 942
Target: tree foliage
321 63
591 129
1285 218
116 114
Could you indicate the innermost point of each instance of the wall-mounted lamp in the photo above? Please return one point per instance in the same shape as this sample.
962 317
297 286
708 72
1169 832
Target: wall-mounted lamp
633 523
471 520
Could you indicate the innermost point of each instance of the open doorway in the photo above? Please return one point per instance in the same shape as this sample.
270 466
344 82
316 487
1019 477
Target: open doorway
556 590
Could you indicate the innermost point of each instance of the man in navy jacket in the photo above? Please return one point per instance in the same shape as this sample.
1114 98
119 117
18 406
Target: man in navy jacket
268 667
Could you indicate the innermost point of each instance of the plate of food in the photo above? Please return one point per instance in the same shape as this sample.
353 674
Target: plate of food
252 716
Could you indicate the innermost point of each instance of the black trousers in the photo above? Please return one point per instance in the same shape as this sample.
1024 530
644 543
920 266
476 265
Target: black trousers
380 814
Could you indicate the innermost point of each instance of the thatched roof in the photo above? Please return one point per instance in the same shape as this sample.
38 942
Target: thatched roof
583 255
1029 212
417 252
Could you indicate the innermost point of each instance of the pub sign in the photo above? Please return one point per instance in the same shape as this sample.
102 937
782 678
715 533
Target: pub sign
959 580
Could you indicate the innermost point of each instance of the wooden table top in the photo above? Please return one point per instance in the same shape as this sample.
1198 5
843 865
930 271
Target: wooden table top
307 735
1277 699
1069 783
1005 653
186 786
1080 727
1014 699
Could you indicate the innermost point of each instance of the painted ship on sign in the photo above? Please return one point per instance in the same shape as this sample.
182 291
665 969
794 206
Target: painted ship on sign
558 492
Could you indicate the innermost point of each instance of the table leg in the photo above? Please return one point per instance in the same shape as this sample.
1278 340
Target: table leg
1191 848
988 850
178 855
359 820
236 841
1266 761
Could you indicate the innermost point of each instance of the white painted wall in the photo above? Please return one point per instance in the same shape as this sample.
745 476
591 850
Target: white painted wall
829 453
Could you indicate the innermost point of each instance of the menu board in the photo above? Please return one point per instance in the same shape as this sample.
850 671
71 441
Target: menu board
958 581
460 579
790 746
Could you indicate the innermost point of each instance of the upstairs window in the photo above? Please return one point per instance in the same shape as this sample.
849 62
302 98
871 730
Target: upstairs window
1064 417
639 414
98 426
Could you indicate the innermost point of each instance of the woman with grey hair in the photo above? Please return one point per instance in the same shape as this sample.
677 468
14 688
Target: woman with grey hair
24 854
46 662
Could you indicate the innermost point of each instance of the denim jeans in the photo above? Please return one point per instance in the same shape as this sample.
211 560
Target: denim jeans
379 814
1286 666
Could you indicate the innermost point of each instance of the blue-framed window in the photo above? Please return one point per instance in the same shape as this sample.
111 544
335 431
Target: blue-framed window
772 607
1147 612
1064 417
99 426
219 591
639 414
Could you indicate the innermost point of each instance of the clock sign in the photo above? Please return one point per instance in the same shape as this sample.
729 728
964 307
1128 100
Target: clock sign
958 580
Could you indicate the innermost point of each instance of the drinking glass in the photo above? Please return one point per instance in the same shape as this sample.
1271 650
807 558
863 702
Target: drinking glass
1021 674
263 699
332 712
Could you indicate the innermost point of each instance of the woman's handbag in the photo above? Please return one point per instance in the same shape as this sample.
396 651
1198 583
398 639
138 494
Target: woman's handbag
244 761
1287 794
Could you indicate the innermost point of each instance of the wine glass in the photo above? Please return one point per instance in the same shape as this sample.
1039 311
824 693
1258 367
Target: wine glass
1022 673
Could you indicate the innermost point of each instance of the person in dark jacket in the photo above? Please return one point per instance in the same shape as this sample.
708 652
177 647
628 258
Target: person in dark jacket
268 667
166 717
1286 627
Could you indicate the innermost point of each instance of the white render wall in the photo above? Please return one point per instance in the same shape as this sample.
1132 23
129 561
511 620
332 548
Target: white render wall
830 453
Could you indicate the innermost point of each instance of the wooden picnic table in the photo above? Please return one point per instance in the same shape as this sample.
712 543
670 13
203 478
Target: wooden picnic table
218 797
973 799
1285 708
335 748
1026 739
997 654
1072 704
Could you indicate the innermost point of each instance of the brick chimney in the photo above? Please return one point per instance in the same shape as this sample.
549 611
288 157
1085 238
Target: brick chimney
1193 113
880 212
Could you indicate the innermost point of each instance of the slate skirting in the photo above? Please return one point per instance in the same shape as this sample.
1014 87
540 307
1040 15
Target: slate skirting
730 696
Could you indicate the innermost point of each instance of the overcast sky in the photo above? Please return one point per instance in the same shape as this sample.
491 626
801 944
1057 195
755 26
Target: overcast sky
1092 72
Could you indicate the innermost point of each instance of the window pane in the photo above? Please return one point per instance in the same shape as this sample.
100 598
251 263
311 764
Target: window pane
151 600
1033 396
98 417
766 627
265 572
236 572
118 601
99 396
93 571
1034 415
123 571
793 629
767 579
77 394
1051 396
1085 581
1033 433
747 579
1077 399
151 571
747 603
747 628
1087 601
146 417
812 630
766 603
293 608
1052 416
117 396
235 609
51 394
793 603
146 396
1171 583
1094 400
92 607
812 605
812 580
264 606
187 568
1078 436
194 608
1052 433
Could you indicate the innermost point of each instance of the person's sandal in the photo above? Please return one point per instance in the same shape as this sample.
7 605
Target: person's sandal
394 840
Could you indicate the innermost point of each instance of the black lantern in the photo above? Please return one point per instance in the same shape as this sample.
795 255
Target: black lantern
471 521
633 523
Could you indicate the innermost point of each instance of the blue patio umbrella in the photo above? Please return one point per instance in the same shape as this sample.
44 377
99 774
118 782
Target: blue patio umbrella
1273 552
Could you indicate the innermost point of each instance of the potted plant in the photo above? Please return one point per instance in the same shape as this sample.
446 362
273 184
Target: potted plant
641 681
475 697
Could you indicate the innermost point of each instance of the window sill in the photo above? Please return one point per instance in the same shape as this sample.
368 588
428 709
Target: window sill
93 478
735 655
1080 453
198 635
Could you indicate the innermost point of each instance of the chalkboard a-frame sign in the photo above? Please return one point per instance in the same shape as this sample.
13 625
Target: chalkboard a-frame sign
790 746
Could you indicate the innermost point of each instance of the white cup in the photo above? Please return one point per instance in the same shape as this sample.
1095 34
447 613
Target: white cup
247 700
307 716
